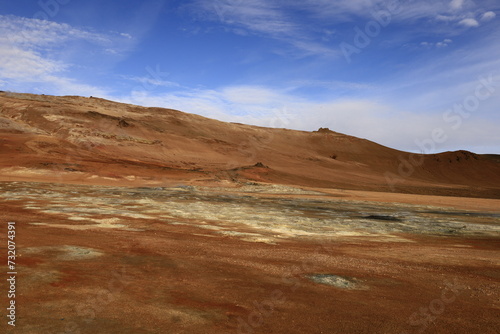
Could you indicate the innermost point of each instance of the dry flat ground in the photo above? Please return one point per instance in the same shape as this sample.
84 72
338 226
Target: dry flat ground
257 258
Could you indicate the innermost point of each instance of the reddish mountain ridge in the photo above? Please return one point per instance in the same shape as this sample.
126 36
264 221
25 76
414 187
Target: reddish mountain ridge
83 140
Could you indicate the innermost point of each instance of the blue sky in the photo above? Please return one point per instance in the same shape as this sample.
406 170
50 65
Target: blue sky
421 76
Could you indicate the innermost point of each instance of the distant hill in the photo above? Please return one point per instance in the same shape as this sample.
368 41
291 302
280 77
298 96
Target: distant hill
95 141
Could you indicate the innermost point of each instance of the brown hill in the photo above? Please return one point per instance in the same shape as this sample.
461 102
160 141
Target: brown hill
90 140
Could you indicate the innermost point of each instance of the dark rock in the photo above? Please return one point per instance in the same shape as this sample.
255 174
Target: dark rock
123 123
261 165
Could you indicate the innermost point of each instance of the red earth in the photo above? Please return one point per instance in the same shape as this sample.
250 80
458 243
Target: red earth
171 247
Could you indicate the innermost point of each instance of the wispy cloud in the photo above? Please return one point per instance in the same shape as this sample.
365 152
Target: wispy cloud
151 82
35 52
36 34
345 11
469 22
488 16
25 65
255 15
440 44
456 4
296 22
266 18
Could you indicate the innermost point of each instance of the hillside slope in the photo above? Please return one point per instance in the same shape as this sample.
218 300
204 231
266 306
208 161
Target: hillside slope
91 140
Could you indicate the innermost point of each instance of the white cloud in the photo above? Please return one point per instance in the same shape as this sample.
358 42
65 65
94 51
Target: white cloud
68 86
248 104
446 18
334 85
249 95
443 43
38 33
253 15
266 18
35 52
126 35
25 65
149 83
488 16
456 4
469 22
349 11
467 18
279 20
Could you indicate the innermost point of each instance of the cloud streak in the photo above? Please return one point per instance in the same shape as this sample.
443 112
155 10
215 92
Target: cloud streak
30 53
469 22
290 22
265 18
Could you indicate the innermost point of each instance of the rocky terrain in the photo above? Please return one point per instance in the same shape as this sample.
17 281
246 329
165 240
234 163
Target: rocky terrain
148 220
91 140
